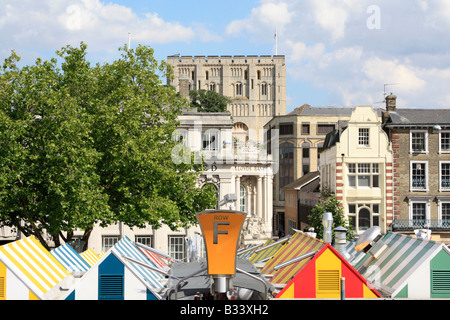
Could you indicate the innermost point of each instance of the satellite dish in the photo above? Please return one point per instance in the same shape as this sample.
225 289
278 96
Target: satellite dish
366 238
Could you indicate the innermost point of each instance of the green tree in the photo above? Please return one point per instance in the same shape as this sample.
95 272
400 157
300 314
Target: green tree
208 101
329 203
84 144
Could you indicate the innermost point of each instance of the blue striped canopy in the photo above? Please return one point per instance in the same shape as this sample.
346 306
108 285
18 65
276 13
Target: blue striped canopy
70 259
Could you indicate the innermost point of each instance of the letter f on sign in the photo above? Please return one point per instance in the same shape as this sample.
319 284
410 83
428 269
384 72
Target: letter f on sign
216 230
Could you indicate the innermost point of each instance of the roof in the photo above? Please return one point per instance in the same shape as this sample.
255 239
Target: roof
33 264
419 116
303 181
269 249
125 248
299 245
307 110
70 259
90 257
397 257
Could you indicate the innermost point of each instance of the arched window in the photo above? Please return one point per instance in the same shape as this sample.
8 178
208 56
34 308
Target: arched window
243 199
364 219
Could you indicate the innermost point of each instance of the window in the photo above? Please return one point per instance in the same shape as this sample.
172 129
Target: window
305 128
418 141
264 89
324 128
286 128
305 158
210 140
363 216
243 199
212 87
363 137
444 175
419 180
145 240
180 136
286 170
445 211
207 75
419 211
239 89
363 175
108 242
444 141
176 247
258 74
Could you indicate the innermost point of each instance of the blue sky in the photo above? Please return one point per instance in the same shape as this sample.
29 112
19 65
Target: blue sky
338 52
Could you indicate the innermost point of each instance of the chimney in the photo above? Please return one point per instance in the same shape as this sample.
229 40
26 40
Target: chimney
341 241
327 221
391 103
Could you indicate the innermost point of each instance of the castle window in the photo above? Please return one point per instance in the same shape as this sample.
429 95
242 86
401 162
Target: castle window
258 74
264 89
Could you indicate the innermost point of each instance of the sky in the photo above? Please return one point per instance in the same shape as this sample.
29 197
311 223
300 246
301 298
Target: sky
338 52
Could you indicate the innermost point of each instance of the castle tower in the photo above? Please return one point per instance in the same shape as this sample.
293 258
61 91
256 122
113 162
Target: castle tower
255 85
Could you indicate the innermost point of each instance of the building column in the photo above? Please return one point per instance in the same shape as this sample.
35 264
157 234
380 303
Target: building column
259 194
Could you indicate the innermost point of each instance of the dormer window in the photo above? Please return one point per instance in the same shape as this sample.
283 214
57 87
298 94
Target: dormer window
363 137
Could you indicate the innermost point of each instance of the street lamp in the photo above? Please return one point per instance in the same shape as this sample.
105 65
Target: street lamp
327 222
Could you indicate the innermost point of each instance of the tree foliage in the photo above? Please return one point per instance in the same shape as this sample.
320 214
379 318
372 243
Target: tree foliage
84 144
208 101
329 203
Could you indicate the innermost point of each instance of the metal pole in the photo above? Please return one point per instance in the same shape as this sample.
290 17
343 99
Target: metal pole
342 288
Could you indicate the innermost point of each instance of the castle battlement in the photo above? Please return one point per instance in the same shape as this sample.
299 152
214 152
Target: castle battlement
238 59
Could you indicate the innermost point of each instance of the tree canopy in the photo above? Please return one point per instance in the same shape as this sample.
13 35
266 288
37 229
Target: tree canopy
84 144
329 203
208 101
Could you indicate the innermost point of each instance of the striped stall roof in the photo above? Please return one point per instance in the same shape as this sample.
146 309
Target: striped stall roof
299 244
70 259
34 264
247 254
90 257
125 248
397 257
265 253
157 259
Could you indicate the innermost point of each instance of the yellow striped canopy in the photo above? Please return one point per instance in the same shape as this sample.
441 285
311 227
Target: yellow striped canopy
90 256
33 264
299 244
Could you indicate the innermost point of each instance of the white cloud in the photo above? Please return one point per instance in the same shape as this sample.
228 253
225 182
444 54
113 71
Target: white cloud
263 20
47 23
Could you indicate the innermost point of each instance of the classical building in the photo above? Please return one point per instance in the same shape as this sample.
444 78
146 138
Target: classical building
256 85
301 135
356 164
243 170
421 146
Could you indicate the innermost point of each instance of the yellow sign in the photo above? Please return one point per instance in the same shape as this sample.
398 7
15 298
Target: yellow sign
221 230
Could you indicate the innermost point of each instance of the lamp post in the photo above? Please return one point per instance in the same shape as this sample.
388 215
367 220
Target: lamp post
327 222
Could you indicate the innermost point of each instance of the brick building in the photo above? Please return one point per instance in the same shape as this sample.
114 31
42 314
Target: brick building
421 151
